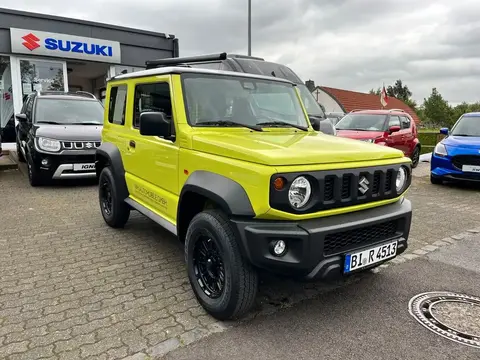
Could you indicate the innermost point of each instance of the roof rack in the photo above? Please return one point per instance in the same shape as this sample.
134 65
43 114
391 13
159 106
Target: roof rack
58 92
399 110
151 64
86 93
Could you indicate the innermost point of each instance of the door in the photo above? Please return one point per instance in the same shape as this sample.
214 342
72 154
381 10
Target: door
408 135
154 160
395 139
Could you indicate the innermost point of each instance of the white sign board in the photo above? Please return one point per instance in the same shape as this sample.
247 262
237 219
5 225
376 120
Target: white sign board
33 42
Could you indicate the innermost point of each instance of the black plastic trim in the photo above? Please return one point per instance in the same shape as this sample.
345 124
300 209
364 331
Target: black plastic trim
226 192
109 153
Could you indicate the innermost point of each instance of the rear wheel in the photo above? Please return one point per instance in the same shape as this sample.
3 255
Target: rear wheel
435 180
114 210
223 281
415 157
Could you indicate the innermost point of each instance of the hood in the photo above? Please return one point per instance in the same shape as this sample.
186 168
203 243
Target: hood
355 134
287 148
70 132
466 142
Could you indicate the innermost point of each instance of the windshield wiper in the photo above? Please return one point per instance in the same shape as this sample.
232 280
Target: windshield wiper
49 122
355 129
229 123
282 123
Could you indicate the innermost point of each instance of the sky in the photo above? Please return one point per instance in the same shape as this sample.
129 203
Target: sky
348 44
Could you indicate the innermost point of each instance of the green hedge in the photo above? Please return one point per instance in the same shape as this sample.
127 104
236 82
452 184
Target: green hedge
428 139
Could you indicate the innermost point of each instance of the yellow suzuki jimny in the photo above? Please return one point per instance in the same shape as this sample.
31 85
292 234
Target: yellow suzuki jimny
230 164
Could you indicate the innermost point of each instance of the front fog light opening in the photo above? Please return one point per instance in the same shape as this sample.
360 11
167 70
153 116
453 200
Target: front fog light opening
45 162
401 179
278 247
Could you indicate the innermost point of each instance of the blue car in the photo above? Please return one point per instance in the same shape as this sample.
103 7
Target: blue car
457 156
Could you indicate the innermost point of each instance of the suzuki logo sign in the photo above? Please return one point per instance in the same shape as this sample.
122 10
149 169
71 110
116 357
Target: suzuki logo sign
31 42
64 46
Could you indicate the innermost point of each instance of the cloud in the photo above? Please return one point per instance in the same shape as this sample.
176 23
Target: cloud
350 44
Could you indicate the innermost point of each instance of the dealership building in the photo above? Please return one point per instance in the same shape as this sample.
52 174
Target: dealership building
43 53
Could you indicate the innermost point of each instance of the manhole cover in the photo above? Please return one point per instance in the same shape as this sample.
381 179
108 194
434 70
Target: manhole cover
451 315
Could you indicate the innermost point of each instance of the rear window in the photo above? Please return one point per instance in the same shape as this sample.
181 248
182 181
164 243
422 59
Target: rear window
68 111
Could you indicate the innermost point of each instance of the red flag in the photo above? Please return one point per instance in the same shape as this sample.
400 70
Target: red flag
383 97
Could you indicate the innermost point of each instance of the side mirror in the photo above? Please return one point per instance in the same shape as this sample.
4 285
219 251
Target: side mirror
155 124
327 127
315 121
444 131
21 117
394 128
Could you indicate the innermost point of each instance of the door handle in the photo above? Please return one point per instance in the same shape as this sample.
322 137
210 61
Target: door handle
132 144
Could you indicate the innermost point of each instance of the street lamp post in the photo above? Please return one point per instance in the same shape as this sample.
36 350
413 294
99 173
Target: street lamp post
249 27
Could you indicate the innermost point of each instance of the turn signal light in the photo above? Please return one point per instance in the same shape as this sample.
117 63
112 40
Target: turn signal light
279 183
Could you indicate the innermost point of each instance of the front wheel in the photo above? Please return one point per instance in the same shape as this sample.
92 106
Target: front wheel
34 176
415 157
114 210
435 180
224 283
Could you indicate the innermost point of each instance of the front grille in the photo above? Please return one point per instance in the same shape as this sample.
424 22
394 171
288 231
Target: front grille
340 188
459 160
80 145
347 240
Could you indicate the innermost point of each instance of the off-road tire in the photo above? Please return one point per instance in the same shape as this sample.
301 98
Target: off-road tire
34 177
119 212
241 280
435 180
415 157
20 156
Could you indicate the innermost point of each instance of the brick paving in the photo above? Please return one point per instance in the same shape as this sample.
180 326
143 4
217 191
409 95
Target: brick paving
72 288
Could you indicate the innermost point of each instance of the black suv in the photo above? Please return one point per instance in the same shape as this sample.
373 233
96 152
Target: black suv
255 65
57 135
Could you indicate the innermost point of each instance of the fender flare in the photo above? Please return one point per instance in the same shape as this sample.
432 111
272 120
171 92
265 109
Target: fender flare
108 154
227 193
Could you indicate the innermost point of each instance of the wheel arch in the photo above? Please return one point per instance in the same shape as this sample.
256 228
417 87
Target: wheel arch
108 154
204 189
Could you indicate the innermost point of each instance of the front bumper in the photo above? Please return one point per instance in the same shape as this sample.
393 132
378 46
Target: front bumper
443 168
64 166
317 247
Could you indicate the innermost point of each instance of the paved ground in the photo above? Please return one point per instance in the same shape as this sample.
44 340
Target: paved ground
72 288
368 320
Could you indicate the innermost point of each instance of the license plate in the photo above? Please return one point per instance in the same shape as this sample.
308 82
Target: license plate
471 168
361 259
84 167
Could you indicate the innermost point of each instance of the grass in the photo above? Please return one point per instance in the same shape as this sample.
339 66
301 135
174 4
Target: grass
429 138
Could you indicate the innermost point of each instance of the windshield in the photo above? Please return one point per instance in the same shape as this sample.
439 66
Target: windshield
241 100
311 105
68 111
467 126
366 122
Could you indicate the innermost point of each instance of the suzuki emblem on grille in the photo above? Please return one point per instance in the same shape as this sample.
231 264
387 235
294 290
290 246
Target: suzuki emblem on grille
88 145
363 185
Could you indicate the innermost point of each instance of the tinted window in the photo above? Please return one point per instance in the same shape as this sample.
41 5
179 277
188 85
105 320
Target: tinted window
29 108
152 97
68 111
405 122
362 122
394 121
118 102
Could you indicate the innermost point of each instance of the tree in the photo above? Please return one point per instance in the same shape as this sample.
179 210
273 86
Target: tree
375 92
436 109
400 91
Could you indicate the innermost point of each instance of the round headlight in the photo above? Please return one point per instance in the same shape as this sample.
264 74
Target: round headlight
299 192
401 179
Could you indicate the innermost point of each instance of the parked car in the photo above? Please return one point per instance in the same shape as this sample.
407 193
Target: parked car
257 65
57 135
394 128
246 183
457 156
335 117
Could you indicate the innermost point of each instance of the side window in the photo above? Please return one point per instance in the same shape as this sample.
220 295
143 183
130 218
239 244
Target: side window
117 104
394 121
405 122
151 97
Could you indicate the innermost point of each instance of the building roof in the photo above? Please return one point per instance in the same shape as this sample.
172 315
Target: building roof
353 100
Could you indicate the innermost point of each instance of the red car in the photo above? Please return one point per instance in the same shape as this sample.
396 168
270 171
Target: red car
394 128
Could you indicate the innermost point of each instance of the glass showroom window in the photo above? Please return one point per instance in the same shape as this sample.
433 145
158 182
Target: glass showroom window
41 76
7 122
